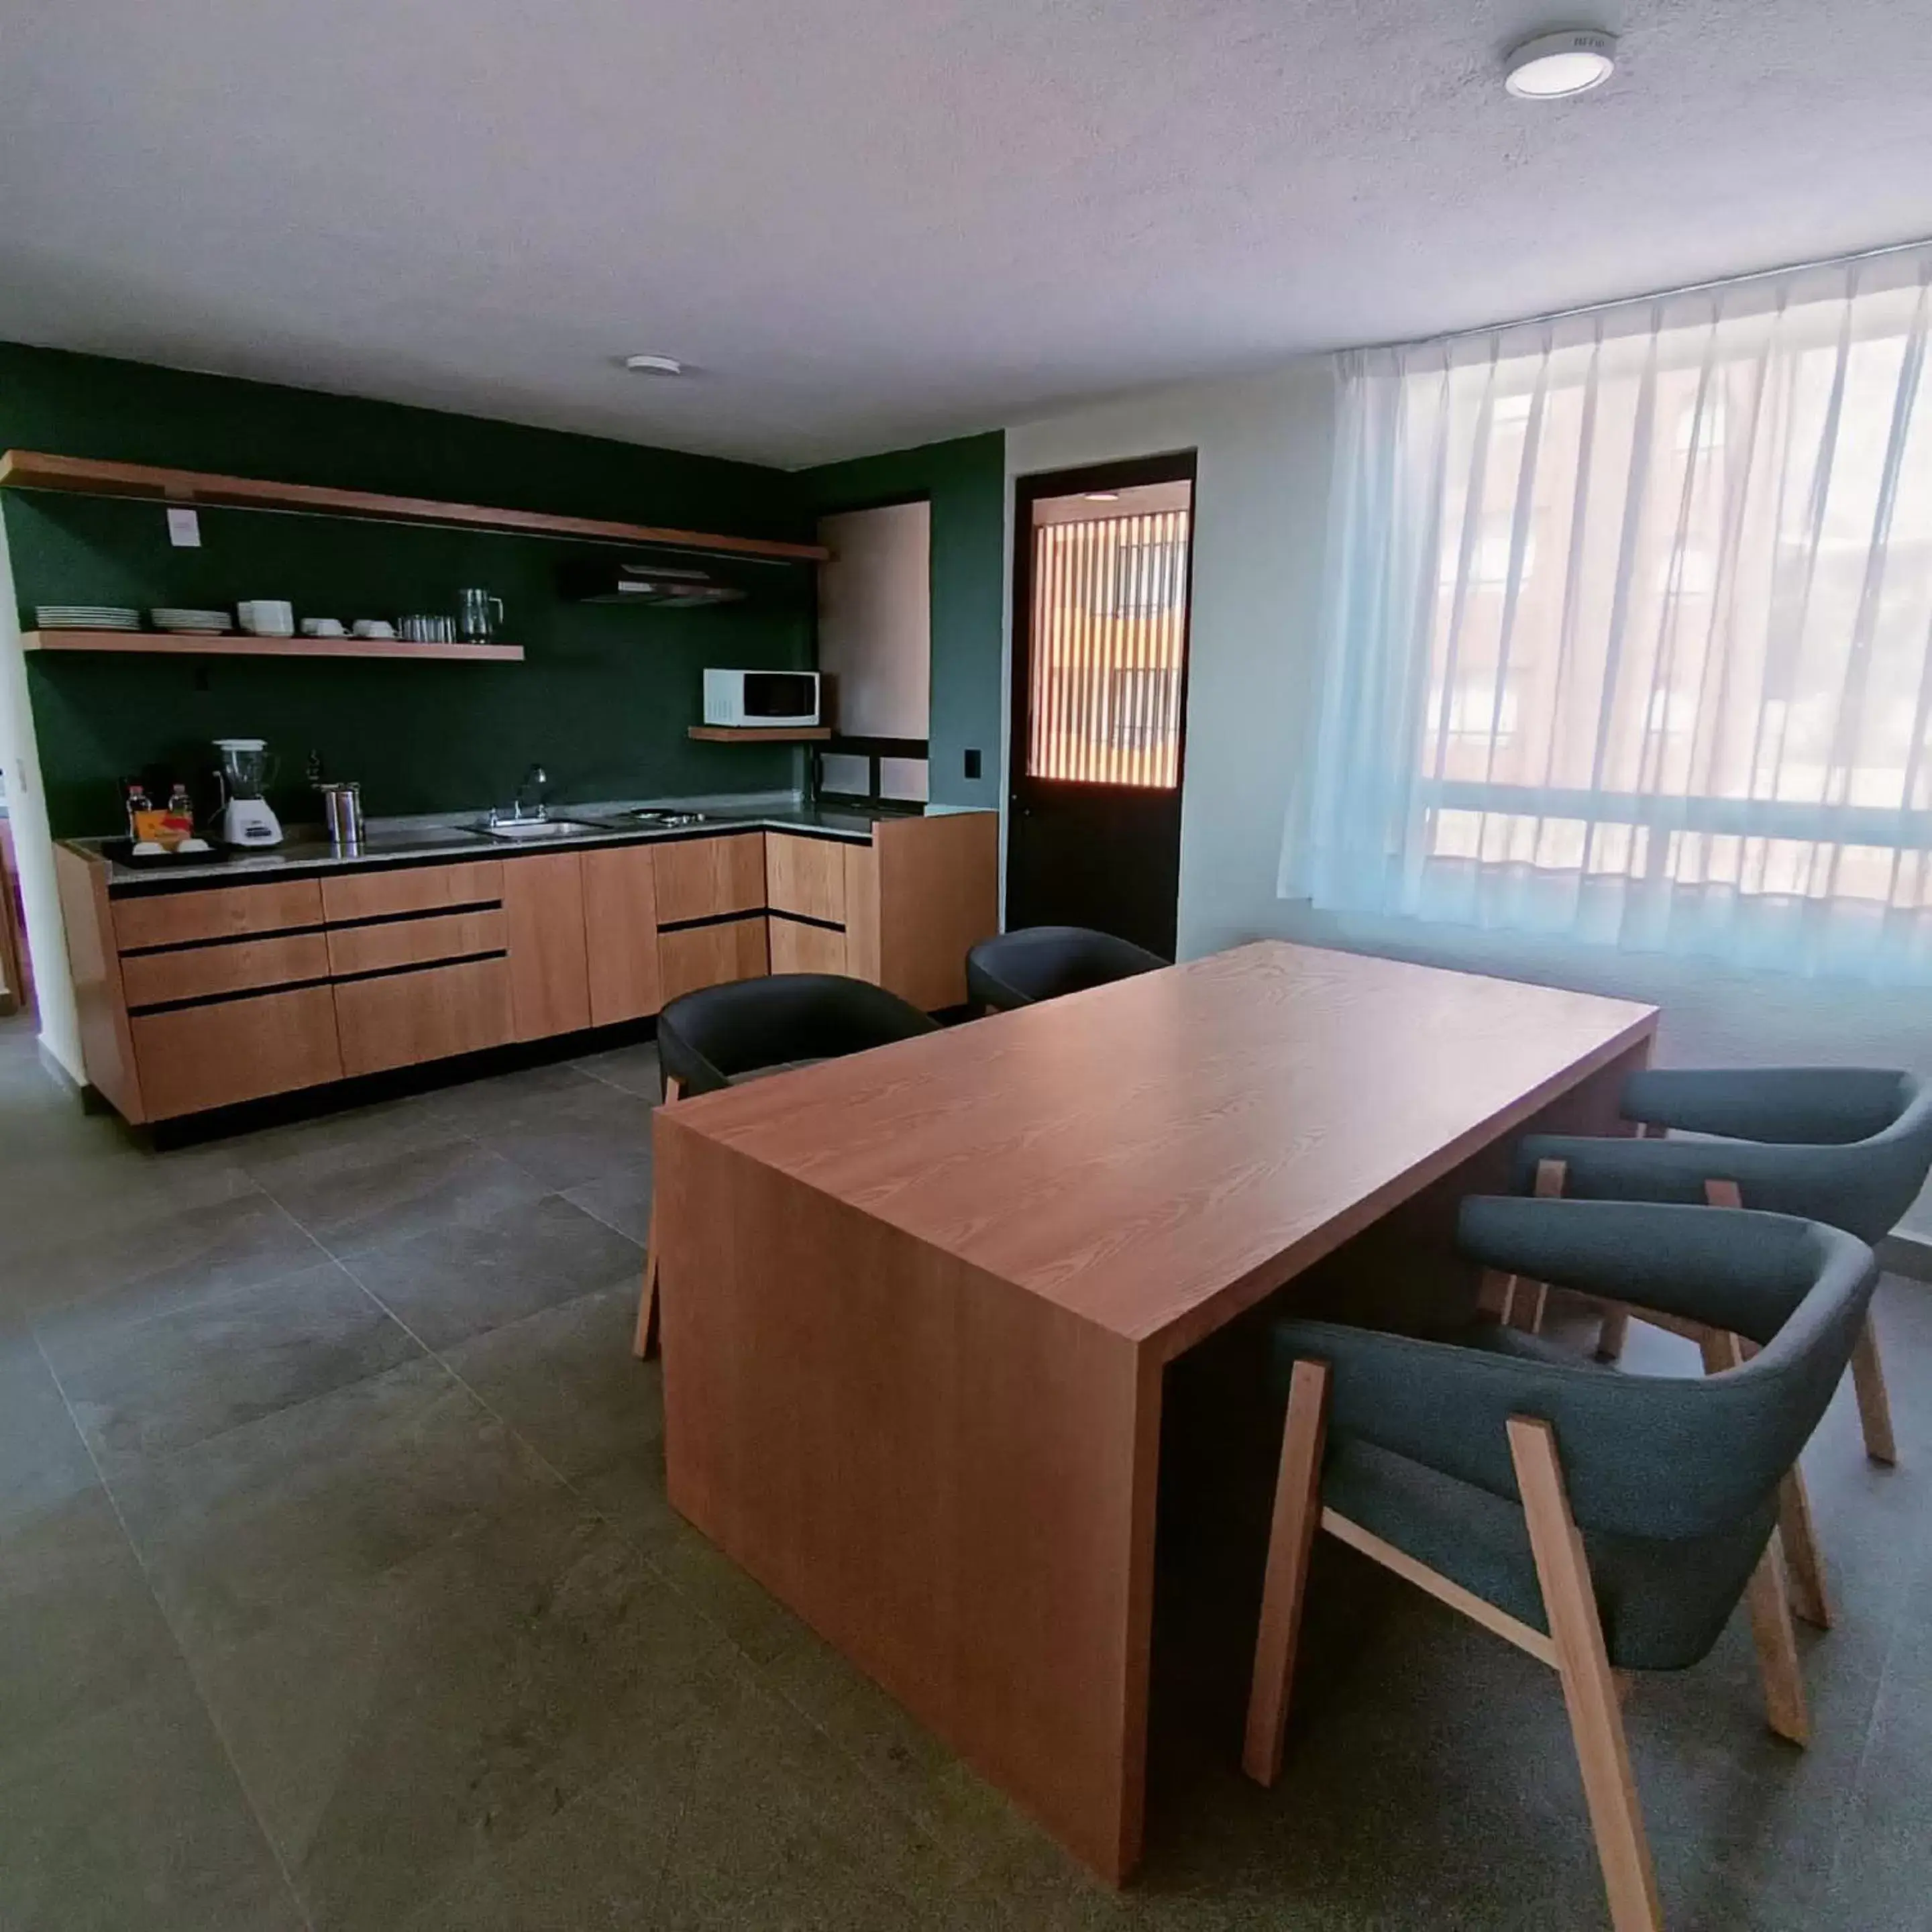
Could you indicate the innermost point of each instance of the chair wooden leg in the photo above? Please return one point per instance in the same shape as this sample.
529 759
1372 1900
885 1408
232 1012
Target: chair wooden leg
1767 1596
1803 1565
1803 1562
1874 1404
1611 1337
1525 1302
645 1343
1589 1689
1297 1514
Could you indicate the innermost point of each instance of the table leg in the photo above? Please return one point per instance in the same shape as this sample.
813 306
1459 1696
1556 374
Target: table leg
951 1479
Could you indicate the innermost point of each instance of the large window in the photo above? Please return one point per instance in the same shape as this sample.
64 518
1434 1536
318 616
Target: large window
1629 628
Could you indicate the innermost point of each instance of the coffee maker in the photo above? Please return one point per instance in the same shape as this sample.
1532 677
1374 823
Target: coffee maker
243 774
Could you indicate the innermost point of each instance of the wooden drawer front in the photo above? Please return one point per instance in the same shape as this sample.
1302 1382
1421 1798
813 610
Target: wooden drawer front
402 1018
220 912
248 965
200 1057
620 925
806 876
708 956
412 889
796 947
700 878
414 942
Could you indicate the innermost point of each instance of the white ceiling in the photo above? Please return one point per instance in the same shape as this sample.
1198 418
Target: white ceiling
868 223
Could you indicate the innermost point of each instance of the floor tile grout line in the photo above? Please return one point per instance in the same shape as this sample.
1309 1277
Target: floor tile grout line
75 1308
187 1663
756 1669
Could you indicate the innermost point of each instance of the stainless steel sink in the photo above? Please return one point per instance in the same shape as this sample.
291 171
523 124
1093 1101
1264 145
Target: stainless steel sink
541 828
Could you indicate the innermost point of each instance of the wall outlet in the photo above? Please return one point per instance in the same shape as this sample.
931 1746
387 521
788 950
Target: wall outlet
972 764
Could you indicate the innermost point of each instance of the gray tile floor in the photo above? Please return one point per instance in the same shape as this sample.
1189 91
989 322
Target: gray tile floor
337 1589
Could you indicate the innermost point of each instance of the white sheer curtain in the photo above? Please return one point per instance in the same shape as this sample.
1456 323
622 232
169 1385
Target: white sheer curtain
1627 628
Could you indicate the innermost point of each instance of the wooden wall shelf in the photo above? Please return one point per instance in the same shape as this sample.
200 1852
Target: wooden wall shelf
165 644
30 469
758 734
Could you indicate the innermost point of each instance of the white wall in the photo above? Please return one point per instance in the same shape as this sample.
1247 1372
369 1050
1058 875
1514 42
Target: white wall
33 842
1260 508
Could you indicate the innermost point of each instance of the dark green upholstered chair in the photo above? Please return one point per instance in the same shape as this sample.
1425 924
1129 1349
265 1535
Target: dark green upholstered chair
1600 1520
709 1039
1042 962
1848 1146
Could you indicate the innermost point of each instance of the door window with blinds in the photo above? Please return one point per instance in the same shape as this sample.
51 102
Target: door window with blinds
1107 641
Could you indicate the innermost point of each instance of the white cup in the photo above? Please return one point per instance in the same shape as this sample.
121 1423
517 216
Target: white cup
373 627
268 617
322 627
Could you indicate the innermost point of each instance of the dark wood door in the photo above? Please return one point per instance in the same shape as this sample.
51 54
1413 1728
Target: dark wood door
1102 577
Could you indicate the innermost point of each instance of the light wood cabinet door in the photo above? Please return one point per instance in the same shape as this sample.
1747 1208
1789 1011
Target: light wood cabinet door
400 1019
391 943
205 972
620 928
806 876
543 913
797 947
701 878
215 912
382 894
708 955
938 895
213 1056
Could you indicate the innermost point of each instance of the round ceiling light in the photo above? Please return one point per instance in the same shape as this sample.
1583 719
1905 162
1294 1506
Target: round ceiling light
1553 66
654 365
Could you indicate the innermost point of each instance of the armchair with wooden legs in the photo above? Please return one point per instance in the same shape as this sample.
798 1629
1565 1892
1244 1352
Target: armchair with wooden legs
719 1035
1850 1147
1600 1521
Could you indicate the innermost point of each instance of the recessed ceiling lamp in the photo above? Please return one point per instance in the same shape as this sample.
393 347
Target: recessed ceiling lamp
654 365
1553 66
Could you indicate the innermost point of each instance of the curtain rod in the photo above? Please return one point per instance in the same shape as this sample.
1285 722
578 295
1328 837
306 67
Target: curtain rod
1650 295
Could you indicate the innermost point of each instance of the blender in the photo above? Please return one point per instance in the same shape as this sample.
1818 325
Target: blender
243 774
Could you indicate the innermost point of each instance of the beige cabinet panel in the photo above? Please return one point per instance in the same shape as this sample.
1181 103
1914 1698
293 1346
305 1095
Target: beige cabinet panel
620 925
700 878
708 956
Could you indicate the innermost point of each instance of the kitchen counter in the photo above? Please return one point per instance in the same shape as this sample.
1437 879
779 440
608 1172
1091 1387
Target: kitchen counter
211 985
415 840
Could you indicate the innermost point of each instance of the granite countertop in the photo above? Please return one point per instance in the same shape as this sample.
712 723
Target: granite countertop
393 842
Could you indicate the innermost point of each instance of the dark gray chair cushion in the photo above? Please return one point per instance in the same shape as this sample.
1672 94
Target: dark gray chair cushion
1042 962
1672 1480
1848 1146
708 1038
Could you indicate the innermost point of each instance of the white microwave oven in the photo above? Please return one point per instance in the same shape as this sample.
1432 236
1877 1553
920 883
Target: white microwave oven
756 697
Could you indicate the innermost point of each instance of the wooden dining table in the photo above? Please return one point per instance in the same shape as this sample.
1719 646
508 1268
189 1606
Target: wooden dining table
918 1304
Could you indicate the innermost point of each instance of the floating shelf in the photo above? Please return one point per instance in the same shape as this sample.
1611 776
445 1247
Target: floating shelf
29 470
168 643
760 734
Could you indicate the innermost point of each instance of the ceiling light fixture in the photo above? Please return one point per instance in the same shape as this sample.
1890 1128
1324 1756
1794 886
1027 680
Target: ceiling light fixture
654 365
1553 66
1102 496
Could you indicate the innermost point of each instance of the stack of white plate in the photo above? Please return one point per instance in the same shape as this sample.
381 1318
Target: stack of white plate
86 617
207 623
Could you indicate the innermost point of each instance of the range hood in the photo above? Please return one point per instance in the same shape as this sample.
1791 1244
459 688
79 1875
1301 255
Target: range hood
647 584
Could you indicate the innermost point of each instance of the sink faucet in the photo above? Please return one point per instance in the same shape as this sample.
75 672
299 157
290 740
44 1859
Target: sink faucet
534 780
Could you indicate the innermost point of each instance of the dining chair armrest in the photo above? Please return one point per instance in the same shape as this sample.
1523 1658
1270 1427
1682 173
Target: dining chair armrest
1733 1269
1826 1105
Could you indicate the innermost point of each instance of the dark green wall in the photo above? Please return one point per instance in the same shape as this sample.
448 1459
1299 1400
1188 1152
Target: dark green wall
965 480
603 699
